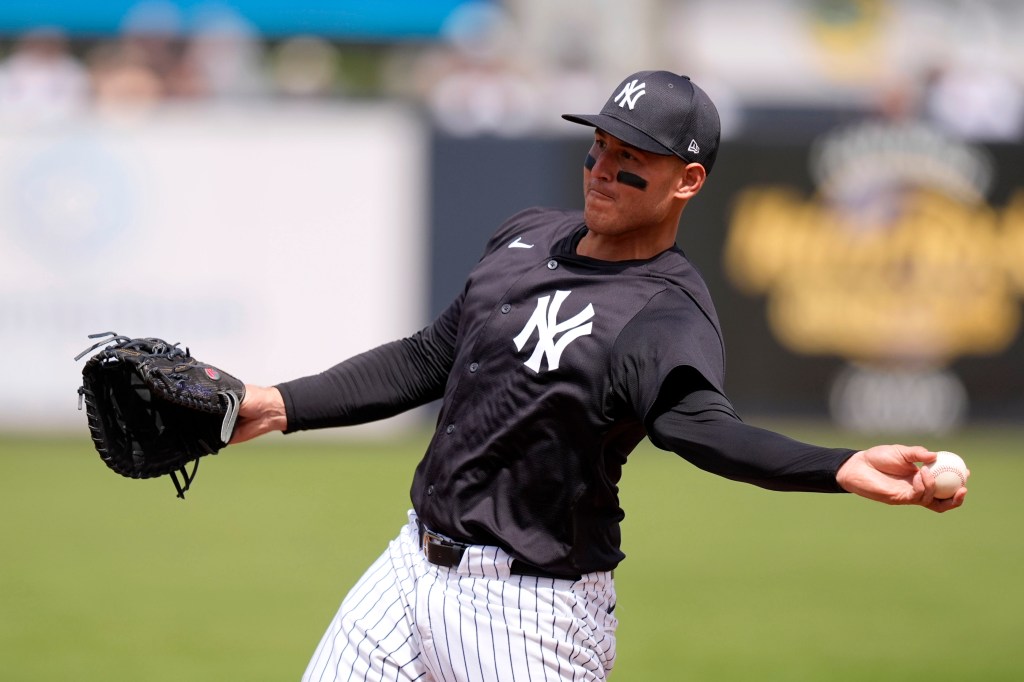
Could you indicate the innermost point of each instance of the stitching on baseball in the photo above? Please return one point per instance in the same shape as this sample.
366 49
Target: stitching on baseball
944 468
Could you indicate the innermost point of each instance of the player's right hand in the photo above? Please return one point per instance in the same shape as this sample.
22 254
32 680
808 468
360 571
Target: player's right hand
889 474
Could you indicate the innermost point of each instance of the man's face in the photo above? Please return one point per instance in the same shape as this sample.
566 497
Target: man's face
627 189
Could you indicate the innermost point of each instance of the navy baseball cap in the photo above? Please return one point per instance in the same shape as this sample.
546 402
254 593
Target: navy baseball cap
662 113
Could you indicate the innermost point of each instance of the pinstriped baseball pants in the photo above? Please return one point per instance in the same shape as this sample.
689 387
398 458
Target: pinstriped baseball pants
407 619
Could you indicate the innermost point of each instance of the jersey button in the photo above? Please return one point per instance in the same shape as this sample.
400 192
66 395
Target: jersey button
552 264
505 309
474 366
450 429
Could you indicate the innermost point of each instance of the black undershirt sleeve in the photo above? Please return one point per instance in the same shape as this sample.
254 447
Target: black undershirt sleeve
703 428
380 383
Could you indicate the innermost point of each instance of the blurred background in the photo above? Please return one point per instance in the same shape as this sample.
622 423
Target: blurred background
255 177
282 185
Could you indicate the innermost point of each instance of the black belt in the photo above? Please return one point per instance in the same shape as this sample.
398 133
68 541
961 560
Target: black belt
441 551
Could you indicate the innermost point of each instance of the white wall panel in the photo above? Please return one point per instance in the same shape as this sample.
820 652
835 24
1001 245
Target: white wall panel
272 241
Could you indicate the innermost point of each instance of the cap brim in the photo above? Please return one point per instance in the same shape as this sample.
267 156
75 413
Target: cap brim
623 131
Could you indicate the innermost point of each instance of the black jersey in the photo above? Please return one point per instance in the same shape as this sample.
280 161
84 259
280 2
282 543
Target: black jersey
553 367
558 359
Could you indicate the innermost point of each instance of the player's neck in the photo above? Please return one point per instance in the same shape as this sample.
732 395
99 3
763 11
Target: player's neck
622 247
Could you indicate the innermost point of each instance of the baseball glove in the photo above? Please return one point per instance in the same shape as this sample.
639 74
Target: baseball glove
152 408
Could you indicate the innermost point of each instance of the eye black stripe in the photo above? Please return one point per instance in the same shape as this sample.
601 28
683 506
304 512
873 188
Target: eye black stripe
625 177
631 179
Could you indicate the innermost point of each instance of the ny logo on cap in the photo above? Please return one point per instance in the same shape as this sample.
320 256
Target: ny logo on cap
631 92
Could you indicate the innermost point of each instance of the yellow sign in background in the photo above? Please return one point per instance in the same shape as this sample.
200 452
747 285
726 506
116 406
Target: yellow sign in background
942 280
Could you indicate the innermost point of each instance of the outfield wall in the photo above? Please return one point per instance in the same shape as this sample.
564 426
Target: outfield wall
871 272
272 241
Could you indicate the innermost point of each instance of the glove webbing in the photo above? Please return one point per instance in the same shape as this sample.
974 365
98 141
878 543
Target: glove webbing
227 426
186 476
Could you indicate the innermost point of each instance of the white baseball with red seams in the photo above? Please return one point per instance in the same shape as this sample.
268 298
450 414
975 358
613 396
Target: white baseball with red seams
950 474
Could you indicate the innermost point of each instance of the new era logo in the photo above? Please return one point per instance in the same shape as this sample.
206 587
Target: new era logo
630 93
694 148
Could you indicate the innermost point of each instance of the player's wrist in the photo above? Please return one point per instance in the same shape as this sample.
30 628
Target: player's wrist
263 410
849 472
268 408
276 414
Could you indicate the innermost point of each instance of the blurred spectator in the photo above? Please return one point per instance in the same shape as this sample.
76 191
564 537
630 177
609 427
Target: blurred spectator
144 65
226 54
153 36
975 101
476 87
41 80
123 80
305 66
479 98
571 81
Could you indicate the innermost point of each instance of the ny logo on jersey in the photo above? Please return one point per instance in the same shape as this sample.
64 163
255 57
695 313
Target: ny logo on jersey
631 92
545 321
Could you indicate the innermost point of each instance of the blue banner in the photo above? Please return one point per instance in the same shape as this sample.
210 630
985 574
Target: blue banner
371 20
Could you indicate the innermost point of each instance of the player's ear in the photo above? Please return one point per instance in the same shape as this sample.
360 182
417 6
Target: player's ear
690 180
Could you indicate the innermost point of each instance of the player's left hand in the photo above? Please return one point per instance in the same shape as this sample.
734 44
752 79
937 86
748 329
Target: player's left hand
889 474
261 412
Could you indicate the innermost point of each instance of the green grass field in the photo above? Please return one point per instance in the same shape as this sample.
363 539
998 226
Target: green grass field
104 578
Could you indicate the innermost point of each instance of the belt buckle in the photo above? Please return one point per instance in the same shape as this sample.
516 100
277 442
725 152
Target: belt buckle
440 550
430 538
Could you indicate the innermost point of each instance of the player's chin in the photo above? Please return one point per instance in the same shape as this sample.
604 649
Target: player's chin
600 214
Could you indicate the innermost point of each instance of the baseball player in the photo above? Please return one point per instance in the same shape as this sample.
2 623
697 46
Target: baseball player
577 335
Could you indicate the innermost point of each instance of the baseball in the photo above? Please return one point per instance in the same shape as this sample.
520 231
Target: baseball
950 474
